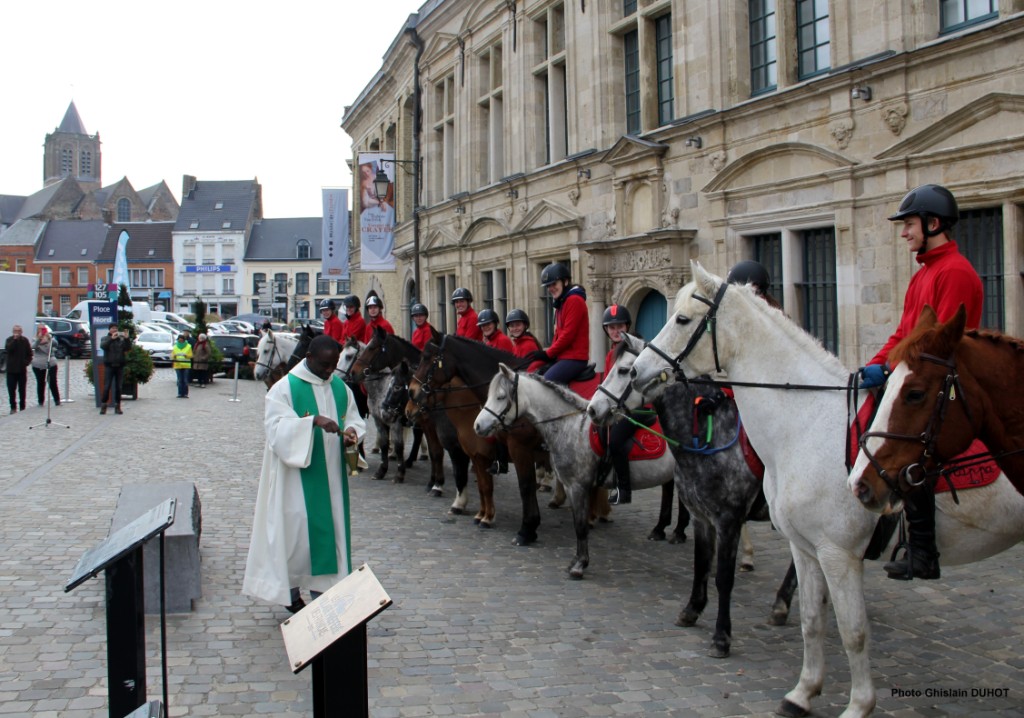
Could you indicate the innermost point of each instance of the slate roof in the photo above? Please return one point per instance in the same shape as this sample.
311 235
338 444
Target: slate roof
72 240
36 203
239 198
23 233
10 207
142 237
72 122
276 239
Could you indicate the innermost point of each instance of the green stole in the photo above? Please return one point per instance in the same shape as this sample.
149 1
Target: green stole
315 486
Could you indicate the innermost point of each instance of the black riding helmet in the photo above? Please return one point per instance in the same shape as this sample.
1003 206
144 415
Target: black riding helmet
926 201
486 317
749 271
328 304
351 301
418 309
517 315
374 301
617 314
553 272
462 293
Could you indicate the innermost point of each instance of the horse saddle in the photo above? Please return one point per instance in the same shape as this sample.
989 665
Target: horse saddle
972 475
646 445
754 462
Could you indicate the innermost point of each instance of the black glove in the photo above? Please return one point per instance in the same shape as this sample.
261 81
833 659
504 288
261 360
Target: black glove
539 355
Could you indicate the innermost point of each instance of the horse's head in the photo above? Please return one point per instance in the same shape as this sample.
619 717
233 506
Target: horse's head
615 395
349 351
502 406
365 359
396 394
268 355
680 348
922 419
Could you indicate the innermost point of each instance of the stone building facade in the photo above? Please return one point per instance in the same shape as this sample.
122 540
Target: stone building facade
628 137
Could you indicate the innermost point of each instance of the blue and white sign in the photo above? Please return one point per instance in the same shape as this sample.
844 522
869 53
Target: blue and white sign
101 316
210 268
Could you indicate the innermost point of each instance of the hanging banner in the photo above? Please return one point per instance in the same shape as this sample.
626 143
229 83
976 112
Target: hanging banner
376 216
335 234
121 261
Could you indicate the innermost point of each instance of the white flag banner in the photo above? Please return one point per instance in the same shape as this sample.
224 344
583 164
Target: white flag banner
121 275
335 234
376 216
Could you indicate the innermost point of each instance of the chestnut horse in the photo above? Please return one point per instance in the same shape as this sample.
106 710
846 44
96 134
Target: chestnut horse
948 388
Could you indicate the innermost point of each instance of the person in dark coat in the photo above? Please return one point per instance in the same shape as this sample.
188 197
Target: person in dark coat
19 357
115 348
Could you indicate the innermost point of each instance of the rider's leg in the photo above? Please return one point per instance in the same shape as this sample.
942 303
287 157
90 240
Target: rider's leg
921 559
565 370
619 445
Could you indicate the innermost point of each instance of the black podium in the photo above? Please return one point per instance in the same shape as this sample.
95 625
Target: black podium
120 556
330 635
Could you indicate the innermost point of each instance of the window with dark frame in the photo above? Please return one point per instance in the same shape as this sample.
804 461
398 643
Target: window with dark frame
124 210
819 289
979 236
812 38
957 14
768 251
631 58
663 53
763 49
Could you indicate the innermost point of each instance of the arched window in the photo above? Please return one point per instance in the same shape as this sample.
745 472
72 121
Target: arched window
302 249
67 161
124 210
85 164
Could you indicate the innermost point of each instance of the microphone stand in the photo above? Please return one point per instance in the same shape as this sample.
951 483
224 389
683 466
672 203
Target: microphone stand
46 388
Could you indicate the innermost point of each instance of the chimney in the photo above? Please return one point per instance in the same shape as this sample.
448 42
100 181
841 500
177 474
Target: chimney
188 184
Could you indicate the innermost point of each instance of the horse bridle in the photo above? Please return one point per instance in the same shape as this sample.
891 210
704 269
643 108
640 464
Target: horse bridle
619 402
915 474
513 398
274 352
708 325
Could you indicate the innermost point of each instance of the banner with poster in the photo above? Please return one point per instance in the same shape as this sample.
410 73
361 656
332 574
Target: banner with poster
376 217
335 228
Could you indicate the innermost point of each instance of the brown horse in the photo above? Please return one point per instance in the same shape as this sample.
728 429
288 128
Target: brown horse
948 388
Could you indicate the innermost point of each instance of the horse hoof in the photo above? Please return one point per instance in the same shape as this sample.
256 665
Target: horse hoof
399 480
718 651
409 464
576 573
687 618
522 540
746 567
778 618
485 525
456 512
791 710
554 505
677 539
656 535
436 492
476 520
378 476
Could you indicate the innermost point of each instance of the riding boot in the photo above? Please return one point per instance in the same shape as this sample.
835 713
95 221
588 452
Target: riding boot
921 559
604 467
103 409
625 491
117 409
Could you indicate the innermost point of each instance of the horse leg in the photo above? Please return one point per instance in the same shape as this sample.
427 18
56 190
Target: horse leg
747 546
727 529
398 439
522 454
679 533
579 501
784 597
668 495
812 587
460 465
558 497
703 550
383 441
417 437
436 451
600 509
485 487
844 573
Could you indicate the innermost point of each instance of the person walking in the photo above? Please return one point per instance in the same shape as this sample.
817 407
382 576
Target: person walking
181 361
570 348
19 358
301 527
115 348
44 366
201 354
462 300
945 281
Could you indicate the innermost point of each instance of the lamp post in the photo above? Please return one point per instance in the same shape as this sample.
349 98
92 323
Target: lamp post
381 185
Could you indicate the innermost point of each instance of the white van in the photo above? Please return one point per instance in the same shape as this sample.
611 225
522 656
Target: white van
140 311
162 316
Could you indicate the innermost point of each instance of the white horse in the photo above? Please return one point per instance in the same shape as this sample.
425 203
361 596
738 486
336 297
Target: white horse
560 416
276 353
800 435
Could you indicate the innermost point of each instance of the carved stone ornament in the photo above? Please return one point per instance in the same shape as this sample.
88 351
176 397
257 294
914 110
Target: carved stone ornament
641 260
842 131
524 207
574 196
717 160
507 213
895 118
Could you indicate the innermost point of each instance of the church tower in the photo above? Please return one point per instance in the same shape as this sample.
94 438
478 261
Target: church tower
70 151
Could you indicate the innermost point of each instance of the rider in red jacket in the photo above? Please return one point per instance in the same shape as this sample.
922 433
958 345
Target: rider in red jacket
355 325
494 337
423 332
375 308
570 349
332 325
517 322
945 281
467 327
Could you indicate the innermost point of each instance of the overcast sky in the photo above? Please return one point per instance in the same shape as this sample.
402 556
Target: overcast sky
222 89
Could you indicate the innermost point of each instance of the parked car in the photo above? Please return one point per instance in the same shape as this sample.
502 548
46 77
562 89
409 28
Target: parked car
158 344
72 336
236 348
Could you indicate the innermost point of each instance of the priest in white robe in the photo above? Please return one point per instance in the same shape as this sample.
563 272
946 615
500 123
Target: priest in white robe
301 529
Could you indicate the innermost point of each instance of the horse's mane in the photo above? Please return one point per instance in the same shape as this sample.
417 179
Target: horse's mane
1014 343
921 341
489 353
404 344
563 391
776 317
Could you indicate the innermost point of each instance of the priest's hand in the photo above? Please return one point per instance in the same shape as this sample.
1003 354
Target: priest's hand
327 424
350 437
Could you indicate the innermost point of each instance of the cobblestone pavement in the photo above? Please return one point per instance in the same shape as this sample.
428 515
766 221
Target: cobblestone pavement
478 627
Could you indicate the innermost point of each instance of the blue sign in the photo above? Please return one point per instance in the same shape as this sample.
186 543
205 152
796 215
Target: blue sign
101 316
210 268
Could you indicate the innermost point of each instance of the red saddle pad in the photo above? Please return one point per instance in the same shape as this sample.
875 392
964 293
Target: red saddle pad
645 444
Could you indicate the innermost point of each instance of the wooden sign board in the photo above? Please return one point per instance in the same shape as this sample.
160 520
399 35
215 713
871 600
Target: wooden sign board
350 603
122 541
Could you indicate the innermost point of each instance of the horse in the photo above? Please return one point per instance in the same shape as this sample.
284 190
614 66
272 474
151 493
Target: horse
713 479
278 352
559 416
948 388
456 373
388 435
780 375
386 352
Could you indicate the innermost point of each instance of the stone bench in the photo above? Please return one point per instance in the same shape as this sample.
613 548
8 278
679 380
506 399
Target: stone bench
181 542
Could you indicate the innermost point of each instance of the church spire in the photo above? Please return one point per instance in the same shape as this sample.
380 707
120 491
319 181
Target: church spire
72 122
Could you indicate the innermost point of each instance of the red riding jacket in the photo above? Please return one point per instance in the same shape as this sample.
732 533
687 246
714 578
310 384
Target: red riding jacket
572 326
467 326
